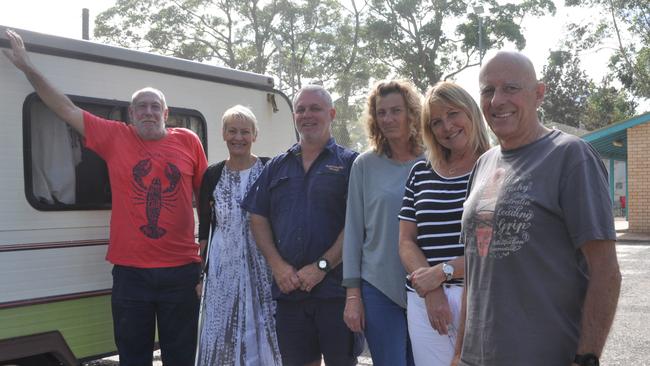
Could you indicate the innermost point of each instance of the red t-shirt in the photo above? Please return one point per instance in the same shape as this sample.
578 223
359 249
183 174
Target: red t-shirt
152 223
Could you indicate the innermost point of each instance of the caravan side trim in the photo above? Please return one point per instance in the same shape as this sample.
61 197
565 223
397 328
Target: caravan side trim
51 245
57 298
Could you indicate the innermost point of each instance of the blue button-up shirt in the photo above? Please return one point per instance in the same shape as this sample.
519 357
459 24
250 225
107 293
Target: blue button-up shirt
306 210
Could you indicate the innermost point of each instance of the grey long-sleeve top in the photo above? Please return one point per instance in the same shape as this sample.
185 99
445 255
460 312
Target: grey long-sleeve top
370 243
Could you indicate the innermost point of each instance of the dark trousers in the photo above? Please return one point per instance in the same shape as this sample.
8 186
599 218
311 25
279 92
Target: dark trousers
310 328
145 297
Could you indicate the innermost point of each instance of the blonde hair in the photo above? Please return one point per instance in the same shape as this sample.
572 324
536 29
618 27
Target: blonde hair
449 94
413 102
239 112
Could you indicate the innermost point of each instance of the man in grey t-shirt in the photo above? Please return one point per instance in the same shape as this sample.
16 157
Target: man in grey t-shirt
542 278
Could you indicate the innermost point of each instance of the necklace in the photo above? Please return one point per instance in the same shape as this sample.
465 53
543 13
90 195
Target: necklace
460 166
452 171
240 165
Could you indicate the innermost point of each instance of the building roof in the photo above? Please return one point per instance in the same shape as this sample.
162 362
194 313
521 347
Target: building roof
565 128
611 141
98 52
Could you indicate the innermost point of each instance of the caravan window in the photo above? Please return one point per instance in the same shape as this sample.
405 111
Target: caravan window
62 174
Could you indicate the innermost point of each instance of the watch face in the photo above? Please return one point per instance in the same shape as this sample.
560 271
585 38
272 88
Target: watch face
322 264
448 270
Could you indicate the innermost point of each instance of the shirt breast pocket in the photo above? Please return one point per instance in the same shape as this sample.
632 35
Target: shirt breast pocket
283 192
331 186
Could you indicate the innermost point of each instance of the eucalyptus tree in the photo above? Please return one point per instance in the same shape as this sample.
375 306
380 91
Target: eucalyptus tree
430 40
627 24
572 98
567 89
234 33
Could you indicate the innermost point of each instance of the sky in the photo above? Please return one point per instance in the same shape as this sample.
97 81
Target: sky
63 18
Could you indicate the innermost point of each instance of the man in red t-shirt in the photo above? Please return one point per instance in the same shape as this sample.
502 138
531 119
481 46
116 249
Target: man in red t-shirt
153 173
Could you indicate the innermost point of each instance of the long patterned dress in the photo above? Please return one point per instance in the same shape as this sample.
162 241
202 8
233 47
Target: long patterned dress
238 324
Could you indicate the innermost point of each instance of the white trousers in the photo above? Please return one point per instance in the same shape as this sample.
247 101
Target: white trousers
429 347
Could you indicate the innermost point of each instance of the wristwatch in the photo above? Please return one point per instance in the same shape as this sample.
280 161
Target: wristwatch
588 359
448 270
323 264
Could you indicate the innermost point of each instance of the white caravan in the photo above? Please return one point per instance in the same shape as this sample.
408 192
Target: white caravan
54 193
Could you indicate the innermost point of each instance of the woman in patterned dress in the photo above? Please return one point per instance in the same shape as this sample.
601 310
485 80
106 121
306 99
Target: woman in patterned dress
430 248
238 326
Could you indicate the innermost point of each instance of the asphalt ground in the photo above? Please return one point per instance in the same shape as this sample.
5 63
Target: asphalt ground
629 340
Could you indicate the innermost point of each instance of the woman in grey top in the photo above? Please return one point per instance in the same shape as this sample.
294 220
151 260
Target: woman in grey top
372 271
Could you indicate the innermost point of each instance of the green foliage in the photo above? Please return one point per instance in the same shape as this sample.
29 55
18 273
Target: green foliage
342 45
306 34
567 89
573 99
193 29
607 105
426 41
627 23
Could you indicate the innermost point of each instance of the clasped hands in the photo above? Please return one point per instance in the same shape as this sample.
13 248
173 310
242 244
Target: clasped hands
305 279
426 279
427 283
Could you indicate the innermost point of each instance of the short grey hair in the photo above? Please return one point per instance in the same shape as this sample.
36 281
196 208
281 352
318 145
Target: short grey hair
150 90
318 89
239 112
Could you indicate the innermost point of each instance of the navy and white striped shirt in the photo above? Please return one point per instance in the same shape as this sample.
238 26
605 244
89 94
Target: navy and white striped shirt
435 204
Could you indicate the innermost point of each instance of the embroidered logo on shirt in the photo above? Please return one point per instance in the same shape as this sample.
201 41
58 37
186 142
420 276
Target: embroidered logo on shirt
334 168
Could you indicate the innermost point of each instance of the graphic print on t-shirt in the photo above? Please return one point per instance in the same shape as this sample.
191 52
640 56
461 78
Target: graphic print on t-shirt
485 208
153 196
502 214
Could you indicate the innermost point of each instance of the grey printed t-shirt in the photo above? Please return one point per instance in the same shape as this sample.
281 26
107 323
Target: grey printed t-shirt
528 212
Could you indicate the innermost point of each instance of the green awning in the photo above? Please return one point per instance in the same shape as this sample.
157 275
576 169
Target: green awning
611 141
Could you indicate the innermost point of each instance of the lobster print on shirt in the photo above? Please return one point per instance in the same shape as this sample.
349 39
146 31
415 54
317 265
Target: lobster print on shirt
154 196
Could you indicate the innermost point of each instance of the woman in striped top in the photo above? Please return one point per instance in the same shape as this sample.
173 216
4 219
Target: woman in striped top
429 239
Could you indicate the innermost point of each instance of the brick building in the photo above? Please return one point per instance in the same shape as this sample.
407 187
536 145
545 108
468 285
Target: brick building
625 149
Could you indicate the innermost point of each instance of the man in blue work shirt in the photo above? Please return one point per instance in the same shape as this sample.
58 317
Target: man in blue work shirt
297 215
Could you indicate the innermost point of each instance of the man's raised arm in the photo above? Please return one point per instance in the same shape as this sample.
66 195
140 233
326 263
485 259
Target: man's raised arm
58 102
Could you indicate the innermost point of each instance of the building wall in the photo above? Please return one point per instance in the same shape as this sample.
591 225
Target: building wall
618 181
638 157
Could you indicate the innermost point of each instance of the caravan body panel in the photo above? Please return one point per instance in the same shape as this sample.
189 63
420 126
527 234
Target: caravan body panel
53 275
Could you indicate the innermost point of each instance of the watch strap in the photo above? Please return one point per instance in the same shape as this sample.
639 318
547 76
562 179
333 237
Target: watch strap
587 359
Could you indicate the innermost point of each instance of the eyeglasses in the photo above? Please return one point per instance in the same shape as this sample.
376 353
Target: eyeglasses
507 89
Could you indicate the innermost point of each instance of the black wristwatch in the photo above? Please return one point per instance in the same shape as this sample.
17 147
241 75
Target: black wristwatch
588 359
323 264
